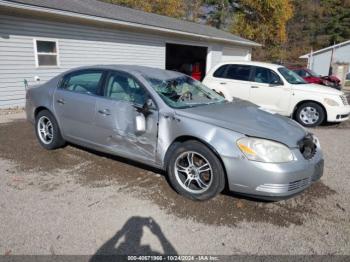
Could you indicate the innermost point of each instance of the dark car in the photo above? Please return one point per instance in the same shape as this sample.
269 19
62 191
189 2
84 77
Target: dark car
313 78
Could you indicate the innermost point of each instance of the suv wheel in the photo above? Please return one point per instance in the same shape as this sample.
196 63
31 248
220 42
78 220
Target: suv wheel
47 131
195 171
310 114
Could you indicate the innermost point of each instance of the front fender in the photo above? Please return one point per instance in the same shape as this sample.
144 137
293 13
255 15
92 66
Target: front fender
222 140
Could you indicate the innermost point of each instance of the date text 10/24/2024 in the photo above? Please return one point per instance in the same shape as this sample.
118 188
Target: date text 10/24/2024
173 258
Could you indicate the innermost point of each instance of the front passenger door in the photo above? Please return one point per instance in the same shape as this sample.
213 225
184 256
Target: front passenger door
268 91
116 118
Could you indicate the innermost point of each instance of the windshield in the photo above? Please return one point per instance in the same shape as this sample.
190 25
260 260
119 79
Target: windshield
312 73
291 77
183 92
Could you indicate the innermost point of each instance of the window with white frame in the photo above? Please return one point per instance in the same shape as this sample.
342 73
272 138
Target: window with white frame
46 52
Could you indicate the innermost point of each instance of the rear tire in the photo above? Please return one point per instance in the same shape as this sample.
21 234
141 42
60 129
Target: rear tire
201 178
310 114
47 130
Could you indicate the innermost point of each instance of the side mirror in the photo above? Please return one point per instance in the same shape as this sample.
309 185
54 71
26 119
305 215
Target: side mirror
140 123
276 83
149 104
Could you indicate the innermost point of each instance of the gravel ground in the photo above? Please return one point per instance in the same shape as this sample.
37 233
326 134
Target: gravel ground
73 201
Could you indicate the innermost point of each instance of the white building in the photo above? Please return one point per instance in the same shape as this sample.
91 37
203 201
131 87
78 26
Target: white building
321 60
42 38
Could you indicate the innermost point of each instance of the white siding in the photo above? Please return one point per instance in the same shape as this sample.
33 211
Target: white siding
321 61
81 45
78 46
214 56
236 54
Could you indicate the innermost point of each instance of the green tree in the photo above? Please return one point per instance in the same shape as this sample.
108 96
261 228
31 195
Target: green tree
317 24
265 22
336 20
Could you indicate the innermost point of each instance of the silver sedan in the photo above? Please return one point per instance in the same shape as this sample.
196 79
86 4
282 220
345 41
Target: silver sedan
170 121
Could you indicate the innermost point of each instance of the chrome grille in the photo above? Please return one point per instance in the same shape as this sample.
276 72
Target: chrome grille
344 99
284 188
299 184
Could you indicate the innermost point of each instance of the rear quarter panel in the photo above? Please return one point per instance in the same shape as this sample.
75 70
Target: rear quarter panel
41 96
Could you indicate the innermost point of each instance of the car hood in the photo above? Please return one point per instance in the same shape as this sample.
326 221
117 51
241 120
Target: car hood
315 88
248 119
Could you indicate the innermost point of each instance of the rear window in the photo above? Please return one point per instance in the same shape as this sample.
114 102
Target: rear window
220 72
239 72
86 82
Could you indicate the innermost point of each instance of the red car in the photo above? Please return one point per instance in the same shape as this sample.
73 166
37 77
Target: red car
313 78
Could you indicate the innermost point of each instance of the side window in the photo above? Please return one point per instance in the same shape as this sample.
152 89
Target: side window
122 87
266 76
301 73
261 75
83 82
239 72
275 79
220 72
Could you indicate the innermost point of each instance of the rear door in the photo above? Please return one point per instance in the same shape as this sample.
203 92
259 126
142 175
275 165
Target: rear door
75 103
232 80
116 113
268 91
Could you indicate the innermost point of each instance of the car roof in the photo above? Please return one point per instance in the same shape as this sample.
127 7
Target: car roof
150 72
252 63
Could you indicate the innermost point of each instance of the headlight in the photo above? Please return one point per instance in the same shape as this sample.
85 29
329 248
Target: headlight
263 150
331 102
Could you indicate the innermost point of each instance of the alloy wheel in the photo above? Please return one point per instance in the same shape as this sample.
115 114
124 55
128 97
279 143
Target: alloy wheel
193 172
45 130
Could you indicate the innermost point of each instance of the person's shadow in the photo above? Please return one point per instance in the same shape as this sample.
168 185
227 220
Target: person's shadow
132 233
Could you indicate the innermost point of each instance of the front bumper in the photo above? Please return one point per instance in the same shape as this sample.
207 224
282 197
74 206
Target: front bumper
273 180
338 114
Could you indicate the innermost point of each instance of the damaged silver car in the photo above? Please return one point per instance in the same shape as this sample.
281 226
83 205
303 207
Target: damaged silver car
170 121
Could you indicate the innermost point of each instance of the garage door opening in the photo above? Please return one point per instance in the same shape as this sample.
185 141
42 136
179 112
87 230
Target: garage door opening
187 59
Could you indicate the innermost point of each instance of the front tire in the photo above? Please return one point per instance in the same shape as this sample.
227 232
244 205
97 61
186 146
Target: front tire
195 171
310 114
47 131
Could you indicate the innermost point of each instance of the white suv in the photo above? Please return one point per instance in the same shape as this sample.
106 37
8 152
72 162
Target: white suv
277 89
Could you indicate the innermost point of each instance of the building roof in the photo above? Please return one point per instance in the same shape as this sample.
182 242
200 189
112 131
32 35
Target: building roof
93 9
326 49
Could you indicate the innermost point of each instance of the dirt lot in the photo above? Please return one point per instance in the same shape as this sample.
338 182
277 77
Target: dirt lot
73 201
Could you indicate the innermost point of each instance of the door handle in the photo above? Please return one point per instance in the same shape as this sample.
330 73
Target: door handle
61 101
254 87
104 112
223 83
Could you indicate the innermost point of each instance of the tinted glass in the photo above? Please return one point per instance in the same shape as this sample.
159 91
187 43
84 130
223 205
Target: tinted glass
266 76
238 72
87 82
220 71
275 79
124 88
301 73
261 75
46 46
